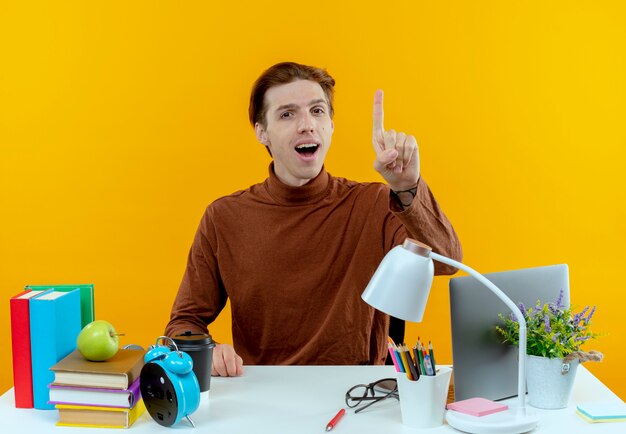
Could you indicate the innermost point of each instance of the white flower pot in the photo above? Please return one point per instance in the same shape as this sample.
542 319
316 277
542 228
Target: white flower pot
549 381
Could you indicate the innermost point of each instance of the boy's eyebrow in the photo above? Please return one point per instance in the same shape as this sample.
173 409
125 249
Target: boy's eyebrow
285 107
293 106
318 101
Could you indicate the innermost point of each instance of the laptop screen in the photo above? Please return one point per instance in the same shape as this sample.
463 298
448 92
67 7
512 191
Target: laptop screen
483 366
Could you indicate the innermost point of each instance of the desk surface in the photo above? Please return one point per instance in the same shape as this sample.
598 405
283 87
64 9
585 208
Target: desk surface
302 399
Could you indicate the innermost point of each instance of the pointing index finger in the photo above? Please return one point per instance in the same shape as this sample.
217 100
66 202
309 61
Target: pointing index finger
379 113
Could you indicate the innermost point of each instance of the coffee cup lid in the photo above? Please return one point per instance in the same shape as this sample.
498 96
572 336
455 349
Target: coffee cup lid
191 338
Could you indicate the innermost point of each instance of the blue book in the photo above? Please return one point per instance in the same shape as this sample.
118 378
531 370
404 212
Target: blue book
55 322
86 298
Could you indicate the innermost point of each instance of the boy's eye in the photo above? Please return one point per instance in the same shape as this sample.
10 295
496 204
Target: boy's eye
285 115
318 111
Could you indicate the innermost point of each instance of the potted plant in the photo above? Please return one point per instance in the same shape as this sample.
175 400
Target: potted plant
555 335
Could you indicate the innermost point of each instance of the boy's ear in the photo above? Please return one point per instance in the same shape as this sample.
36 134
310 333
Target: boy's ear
261 134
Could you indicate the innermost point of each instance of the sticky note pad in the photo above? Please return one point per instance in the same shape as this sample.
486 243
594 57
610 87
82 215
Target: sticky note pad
477 406
597 412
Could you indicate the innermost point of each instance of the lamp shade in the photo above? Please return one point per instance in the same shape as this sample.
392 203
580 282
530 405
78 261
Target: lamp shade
401 283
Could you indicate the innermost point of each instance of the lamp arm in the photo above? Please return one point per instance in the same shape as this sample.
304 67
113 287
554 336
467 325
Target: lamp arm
521 374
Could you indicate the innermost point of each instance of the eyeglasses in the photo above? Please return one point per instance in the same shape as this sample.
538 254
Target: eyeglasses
373 392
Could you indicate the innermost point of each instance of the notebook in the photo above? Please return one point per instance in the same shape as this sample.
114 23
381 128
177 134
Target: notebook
483 366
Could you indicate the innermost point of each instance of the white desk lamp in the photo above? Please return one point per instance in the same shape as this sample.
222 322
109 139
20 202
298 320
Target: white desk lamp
400 287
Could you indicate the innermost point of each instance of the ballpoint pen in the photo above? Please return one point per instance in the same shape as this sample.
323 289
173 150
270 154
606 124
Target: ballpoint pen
335 419
428 365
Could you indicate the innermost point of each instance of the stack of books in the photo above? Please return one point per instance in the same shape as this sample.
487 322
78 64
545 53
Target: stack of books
98 394
45 322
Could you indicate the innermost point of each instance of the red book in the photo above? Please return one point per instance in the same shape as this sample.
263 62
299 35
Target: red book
20 343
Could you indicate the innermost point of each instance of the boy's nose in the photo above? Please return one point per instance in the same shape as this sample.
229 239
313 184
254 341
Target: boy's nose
306 124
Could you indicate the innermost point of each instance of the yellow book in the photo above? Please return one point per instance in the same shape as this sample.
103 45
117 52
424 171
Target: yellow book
99 417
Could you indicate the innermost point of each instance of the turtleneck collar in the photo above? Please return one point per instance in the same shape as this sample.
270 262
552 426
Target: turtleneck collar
285 194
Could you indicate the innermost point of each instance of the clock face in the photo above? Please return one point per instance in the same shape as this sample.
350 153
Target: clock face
159 395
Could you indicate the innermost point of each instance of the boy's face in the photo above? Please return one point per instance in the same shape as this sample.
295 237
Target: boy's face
298 130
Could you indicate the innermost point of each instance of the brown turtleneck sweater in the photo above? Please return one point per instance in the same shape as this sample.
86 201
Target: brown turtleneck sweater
294 262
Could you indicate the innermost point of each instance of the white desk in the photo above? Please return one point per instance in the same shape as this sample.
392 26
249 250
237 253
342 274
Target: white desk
302 399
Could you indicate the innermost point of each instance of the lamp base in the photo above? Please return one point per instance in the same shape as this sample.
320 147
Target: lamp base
512 421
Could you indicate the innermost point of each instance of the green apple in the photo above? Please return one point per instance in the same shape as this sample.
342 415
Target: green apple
98 341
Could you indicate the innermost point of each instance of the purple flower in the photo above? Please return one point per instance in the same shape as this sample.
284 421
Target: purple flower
593 309
581 338
582 313
556 335
546 323
556 307
522 309
559 300
578 317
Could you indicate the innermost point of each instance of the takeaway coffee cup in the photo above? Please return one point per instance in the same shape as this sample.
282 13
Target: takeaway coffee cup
199 346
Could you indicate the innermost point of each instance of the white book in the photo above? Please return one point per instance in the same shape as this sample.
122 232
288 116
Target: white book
123 398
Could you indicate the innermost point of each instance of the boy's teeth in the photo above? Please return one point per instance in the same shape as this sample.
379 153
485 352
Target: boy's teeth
306 145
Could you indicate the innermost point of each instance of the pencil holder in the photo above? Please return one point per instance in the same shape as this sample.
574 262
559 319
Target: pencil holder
423 402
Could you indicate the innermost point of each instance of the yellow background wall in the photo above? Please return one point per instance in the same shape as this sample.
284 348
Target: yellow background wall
119 124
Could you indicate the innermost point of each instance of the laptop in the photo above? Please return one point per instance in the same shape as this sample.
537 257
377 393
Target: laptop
483 366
